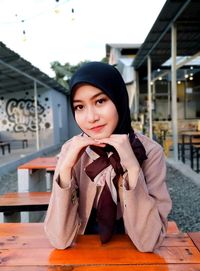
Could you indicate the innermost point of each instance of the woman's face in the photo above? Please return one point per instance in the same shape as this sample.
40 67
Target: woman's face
95 113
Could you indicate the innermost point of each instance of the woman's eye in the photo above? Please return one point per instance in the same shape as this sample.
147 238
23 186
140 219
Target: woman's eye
100 101
78 107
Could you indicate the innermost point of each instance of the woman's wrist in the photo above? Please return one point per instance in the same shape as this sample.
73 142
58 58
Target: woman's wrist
133 174
65 178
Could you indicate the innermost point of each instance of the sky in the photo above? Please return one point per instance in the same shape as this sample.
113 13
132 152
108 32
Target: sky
43 31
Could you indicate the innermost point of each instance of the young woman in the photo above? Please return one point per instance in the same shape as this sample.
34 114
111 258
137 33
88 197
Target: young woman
108 179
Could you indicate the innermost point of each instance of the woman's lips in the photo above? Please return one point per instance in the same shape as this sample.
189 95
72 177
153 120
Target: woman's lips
97 128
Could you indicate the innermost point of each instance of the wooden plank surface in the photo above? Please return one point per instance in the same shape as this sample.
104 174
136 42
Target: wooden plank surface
172 227
167 267
99 256
40 163
195 236
26 245
21 235
28 201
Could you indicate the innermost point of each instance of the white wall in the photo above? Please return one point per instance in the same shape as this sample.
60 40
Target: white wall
59 116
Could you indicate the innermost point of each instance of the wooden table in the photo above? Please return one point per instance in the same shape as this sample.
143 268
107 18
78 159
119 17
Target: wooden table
25 247
32 177
190 135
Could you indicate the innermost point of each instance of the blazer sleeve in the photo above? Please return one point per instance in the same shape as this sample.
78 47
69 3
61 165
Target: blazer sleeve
62 220
146 207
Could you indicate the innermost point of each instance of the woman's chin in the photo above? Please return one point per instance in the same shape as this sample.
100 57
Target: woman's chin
99 136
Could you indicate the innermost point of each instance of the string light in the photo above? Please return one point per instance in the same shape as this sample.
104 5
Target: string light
73 17
23 32
57 9
34 16
22 22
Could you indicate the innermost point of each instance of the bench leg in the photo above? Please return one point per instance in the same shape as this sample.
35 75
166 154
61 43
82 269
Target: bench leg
49 180
3 150
24 143
37 216
9 217
27 181
8 147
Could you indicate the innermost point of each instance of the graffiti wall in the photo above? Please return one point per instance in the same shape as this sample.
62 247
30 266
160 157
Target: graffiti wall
17 113
21 114
17 116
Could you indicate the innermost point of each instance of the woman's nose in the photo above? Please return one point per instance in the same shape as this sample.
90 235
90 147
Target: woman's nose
92 115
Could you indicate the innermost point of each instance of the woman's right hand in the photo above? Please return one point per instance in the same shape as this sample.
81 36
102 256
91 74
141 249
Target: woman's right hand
75 148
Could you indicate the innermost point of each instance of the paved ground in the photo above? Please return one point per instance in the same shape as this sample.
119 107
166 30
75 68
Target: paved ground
184 189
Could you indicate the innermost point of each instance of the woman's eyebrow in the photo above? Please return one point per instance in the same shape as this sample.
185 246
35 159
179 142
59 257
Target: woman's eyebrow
93 97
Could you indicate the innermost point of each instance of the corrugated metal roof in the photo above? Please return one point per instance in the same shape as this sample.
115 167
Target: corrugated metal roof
17 74
185 14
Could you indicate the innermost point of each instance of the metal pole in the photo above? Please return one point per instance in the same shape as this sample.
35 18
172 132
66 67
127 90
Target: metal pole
136 106
168 99
149 97
36 116
174 91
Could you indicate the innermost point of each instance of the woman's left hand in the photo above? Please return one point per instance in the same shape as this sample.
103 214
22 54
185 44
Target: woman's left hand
123 147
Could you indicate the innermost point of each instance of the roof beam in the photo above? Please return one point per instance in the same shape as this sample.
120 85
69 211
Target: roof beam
165 31
23 73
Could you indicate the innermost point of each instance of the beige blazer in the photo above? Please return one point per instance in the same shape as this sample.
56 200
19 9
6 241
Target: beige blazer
144 208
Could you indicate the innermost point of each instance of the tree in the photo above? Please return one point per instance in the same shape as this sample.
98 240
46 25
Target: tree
63 73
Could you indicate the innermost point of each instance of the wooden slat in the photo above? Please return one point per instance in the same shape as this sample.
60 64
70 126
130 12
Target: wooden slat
172 227
172 267
40 163
100 256
30 234
29 201
195 236
32 241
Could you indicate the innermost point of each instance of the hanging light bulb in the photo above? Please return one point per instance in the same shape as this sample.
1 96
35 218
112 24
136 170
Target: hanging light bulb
73 17
24 36
23 32
57 9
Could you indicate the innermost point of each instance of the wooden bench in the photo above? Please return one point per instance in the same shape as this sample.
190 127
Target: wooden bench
24 142
3 145
182 147
22 202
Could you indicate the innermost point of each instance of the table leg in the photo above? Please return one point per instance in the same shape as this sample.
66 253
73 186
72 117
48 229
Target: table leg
183 149
191 153
30 180
8 147
9 217
198 150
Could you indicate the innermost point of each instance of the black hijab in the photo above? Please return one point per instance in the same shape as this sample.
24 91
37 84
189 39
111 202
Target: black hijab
109 80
